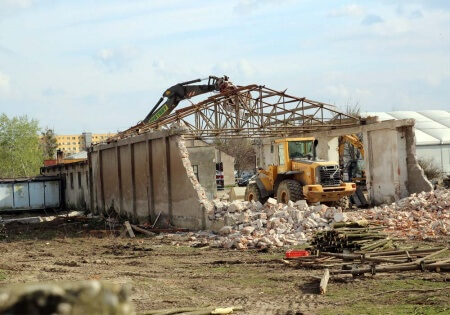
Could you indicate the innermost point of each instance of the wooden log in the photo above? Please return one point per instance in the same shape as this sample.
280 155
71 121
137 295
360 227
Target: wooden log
324 282
144 231
359 223
420 260
403 252
445 261
393 268
129 229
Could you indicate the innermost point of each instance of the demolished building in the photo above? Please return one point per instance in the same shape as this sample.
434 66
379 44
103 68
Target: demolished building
145 172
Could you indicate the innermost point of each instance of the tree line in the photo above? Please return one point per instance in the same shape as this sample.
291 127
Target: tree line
24 146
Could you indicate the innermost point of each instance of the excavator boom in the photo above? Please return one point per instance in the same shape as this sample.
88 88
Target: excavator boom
185 90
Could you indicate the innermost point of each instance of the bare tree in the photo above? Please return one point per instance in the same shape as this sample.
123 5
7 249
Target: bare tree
48 144
430 168
242 151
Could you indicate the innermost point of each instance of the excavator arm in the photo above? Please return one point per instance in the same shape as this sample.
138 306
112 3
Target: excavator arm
353 140
185 90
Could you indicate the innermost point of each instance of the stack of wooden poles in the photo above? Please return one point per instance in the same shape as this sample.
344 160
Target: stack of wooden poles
352 236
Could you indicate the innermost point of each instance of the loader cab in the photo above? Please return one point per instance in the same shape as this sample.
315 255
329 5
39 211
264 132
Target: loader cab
296 149
301 150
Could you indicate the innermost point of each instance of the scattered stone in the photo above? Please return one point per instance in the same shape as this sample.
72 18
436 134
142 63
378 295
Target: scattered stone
86 297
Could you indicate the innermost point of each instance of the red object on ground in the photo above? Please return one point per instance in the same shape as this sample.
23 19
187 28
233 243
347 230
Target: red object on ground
296 253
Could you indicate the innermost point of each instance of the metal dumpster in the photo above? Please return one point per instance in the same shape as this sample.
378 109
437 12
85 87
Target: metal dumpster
30 193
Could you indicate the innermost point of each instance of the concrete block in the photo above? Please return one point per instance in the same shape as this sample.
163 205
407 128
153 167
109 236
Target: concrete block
237 193
226 230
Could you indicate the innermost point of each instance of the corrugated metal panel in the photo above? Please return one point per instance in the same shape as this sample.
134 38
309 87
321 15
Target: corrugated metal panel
6 196
52 194
21 196
37 195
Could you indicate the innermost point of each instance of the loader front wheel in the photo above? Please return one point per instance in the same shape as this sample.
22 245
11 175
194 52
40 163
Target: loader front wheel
252 193
343 203
289 189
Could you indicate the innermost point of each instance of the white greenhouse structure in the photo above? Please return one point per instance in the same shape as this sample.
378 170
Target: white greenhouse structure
432 133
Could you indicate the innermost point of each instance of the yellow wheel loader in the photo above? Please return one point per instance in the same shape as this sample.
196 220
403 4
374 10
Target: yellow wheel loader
298 175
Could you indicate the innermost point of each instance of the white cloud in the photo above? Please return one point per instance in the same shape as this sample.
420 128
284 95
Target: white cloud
116 59
248 6
348 10
16 4
4 83
241 67
166 70
371 19
343 94
8 7
436 77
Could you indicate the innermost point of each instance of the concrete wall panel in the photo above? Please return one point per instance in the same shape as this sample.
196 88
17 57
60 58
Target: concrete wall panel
126 178
141 180
110 179
160 176
203 158
156 177
184 210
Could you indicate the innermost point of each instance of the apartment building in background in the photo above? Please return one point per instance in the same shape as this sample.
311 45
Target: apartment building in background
71 144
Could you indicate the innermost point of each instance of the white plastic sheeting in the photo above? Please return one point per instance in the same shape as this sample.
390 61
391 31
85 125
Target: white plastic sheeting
432 126
432 133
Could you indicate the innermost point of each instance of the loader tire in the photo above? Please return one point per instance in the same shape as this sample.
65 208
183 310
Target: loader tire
343 203
252 192
289 189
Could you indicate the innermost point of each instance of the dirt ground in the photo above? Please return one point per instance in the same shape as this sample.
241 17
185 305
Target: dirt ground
163 275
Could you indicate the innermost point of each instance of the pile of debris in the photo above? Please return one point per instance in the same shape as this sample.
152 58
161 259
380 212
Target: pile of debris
253 225
419 216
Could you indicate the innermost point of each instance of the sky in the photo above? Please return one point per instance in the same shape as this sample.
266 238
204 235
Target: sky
101 65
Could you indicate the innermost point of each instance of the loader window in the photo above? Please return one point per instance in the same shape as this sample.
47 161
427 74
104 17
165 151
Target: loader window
281 153
300 149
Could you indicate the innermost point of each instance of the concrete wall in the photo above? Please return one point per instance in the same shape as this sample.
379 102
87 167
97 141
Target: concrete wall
220 157
75 180
149 174
327 148
386 166
204 158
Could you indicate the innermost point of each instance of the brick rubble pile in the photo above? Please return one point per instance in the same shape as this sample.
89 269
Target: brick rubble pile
253 225
419 216
245 224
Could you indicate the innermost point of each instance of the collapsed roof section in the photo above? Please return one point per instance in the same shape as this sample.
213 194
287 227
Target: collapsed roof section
251 111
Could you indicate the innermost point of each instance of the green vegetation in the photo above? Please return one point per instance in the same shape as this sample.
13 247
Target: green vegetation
20 154
411 296
3 275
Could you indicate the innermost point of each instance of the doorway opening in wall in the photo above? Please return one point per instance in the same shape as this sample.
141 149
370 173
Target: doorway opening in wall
220 181
195 170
